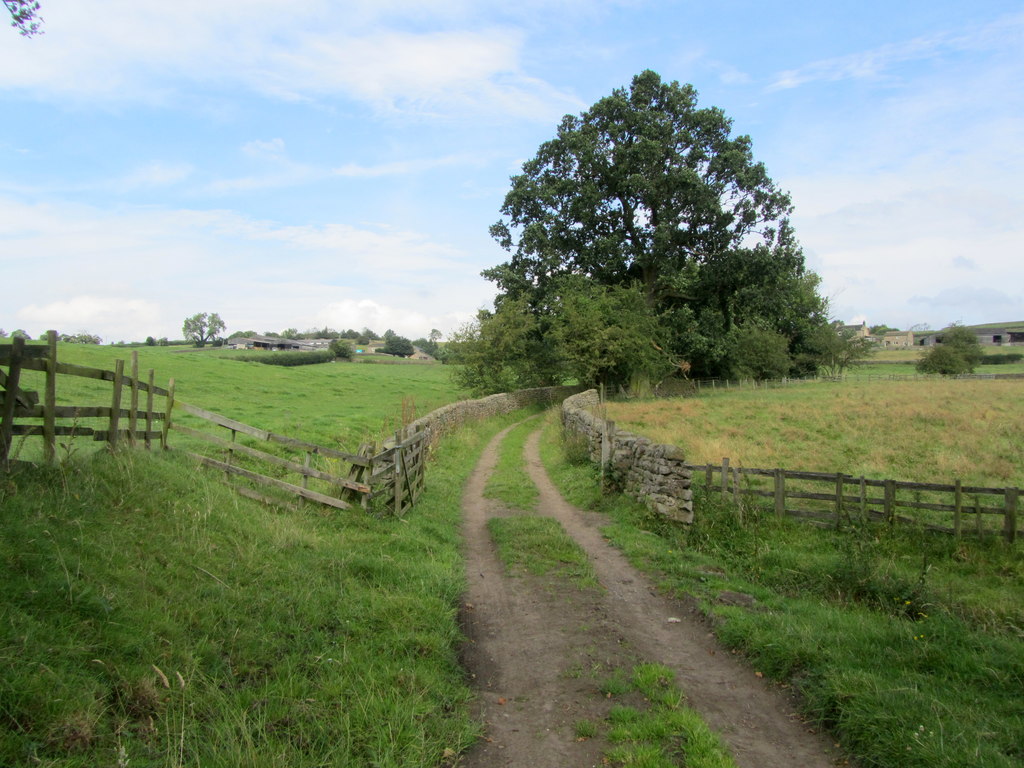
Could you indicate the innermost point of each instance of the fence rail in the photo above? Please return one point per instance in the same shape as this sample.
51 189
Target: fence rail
956 508
392 478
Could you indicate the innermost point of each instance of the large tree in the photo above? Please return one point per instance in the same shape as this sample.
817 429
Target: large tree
647 188
202 327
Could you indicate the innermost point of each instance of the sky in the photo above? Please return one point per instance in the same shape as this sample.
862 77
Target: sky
338 162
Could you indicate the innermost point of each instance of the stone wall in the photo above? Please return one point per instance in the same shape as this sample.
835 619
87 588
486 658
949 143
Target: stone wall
448 417
655 474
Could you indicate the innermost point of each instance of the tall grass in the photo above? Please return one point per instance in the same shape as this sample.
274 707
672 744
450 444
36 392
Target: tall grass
150 617
926 431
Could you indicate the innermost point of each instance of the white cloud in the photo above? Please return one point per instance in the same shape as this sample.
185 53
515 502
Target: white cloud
133 272
879 62
146 51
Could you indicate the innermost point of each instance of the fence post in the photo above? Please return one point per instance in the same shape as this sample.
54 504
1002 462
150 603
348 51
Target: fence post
149 406
115 404
10 399
398 478
958 508
50 400
133 408
780 493
709 475
977 517
839 499
1010 516
168 407
607 448
890 501
725 476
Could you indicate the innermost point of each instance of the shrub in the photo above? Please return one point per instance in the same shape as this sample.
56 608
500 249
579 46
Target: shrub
310 357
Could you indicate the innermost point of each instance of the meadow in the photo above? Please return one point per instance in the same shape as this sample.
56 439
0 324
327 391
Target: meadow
936 430
152 617
335 404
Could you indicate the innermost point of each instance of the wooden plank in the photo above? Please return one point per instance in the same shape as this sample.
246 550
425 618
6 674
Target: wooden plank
23 398
293 489
50 400
87 412
28 351
271 459
30 430
104 434
725 476
84 372
262 434
115 405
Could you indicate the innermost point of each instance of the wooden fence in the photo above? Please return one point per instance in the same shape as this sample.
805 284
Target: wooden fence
123 420
390 479
837 499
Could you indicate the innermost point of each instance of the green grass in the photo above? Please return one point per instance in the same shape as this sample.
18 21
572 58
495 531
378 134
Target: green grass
540 546
509 483
150 617
664 732
337 405
907 648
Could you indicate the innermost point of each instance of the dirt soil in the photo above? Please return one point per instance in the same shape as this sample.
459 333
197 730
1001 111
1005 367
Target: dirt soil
538 649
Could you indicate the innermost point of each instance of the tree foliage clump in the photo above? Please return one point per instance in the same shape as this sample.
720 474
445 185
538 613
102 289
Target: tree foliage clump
647 192
957 351
202 328
396 345
24 16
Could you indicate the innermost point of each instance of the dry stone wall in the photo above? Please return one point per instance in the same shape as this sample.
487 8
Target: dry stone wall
448 417
656 474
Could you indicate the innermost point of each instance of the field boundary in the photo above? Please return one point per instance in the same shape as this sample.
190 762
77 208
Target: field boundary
660 476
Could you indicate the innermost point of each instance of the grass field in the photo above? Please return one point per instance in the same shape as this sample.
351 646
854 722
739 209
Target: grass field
923 431
908 649
333 404
900 362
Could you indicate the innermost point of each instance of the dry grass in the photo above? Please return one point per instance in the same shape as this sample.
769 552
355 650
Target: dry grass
925 431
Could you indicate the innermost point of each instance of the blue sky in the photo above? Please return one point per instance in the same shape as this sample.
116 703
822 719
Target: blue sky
339 163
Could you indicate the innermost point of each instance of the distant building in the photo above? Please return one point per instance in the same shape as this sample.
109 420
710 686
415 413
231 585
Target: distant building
896 339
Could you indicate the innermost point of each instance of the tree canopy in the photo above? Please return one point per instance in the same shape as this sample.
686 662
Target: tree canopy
957 351
24 16
202 327
648 192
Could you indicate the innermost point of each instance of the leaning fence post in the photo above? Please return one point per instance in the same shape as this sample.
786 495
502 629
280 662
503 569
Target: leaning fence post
168 407
398 478
10 398
50 400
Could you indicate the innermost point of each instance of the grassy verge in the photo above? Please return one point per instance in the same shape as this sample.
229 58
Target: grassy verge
908 649
509 483
153 618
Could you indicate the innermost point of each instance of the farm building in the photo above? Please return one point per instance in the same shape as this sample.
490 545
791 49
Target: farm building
996 335
276 343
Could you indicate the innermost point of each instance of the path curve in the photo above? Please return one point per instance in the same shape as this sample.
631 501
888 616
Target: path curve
522 638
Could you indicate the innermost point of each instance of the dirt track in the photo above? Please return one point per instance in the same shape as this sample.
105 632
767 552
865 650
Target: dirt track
537 650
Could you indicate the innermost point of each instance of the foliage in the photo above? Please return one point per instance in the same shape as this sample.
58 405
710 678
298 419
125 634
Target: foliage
288 358
1003 358
502 351
832 349
647 188
957 351
341 348
80 338
399 346
24 16
202 327
3 333
760 354
430 344
18 333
